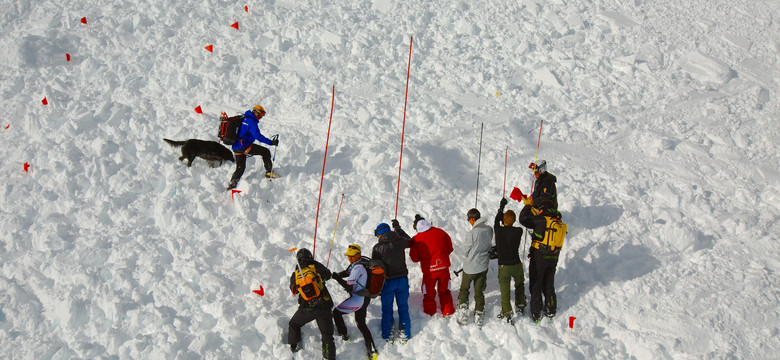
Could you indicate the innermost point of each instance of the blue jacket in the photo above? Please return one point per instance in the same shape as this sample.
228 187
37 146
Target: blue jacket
249 132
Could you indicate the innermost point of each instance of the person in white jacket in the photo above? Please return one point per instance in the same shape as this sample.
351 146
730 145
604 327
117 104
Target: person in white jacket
475 267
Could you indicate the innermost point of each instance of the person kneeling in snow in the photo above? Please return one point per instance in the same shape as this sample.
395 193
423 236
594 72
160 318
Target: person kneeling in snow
354 280
431 247
314 303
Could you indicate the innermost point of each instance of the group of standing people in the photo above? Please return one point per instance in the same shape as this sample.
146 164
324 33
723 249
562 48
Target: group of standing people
432 247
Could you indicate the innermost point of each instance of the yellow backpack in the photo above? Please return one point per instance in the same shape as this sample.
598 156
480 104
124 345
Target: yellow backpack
309 282
554 234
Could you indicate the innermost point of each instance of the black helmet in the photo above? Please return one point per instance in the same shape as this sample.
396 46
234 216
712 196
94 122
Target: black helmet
304 253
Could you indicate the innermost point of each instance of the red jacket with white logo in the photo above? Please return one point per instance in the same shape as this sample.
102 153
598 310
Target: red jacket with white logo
432 249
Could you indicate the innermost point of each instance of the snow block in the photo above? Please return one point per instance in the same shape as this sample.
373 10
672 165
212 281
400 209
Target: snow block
706 68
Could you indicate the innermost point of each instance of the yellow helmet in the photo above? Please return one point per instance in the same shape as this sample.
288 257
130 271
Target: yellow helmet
259 111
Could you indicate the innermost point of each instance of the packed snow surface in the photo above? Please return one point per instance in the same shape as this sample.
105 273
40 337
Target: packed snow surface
660 119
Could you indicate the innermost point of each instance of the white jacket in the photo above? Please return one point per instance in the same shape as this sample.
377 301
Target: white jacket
480 240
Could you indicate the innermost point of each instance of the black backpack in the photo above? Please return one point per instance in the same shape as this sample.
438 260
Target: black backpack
228 128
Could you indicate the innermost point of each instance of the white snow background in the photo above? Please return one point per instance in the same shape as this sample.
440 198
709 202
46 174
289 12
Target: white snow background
660 122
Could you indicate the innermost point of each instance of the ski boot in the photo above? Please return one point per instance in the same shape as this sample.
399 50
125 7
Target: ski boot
271 175
479 318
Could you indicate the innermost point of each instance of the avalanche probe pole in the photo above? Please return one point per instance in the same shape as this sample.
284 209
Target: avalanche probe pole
334 230
403 129
506 156
479 163
324 158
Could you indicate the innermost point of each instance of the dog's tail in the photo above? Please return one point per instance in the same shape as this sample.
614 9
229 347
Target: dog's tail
174 143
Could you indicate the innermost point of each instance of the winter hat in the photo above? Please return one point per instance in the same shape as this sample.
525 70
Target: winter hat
352 250
423 226
541 167
417 218
381 229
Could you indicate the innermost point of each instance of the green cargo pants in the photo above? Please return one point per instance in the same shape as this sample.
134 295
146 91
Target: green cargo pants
507 273
480 283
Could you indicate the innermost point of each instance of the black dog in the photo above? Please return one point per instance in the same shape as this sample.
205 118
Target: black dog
210 151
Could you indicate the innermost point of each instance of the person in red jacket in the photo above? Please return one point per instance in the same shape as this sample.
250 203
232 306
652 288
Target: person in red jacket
432 248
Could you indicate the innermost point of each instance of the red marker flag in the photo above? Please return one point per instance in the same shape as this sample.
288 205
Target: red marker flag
246 8
209 48
198 110
67 56
259 291
235 25
571 322
233 192
516 194
7 126
84 20
26 167
44 101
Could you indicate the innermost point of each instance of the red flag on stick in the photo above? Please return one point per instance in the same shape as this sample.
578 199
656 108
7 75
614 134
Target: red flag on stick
571 322
235 25
259 291
84 20
44 101
233 192
7 126
26 167
209 48
516 195
198 110
246 8
67 56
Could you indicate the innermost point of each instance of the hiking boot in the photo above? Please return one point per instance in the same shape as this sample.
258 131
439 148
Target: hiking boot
295 347
479 318
520 309
271 175
462 315
373 355
344 337
402 338
537 317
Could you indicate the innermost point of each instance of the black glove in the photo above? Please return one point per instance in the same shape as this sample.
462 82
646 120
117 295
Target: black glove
493 253
335 275
504 202
395 223
275 142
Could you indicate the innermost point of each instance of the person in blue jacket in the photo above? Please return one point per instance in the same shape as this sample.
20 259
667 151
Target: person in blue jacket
248 133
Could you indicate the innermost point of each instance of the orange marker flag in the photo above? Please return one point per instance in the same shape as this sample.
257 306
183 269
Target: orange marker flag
44 101
26 167
84 20
235 25
67 56
209 48
198 110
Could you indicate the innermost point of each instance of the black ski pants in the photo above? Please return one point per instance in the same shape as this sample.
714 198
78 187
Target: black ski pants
541 271
360 319
241 155
324 321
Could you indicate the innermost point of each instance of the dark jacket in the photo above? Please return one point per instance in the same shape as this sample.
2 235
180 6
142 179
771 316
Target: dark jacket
390 249
537 224
249 132
322 301
508 240
544 188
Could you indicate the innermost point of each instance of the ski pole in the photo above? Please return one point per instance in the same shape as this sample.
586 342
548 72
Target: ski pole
334 230
479 163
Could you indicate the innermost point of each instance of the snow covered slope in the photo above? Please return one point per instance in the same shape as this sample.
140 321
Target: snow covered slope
660 121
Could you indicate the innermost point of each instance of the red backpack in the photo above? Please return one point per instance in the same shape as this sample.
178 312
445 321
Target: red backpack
376 277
